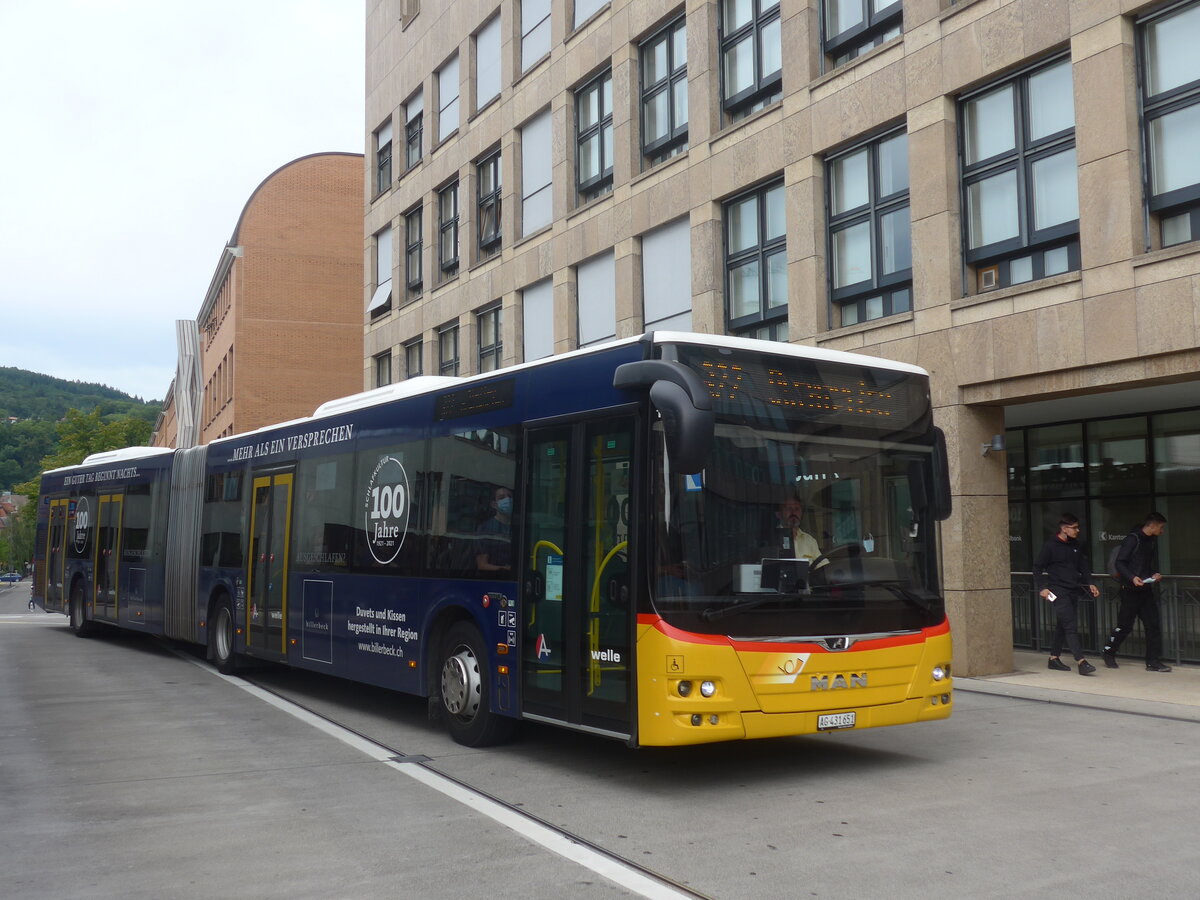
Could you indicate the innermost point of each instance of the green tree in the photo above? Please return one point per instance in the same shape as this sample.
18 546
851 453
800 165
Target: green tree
82 434
16 544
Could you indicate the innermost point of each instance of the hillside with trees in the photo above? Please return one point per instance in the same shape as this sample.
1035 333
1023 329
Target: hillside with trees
47 421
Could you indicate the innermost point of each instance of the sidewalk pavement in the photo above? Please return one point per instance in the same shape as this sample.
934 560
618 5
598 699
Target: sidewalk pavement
1174 694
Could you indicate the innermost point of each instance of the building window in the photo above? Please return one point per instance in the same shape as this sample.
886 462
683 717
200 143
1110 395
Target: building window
413 110
487 63
448 349
383 157
667 277
596 292
488 176
1170 81
585 9
381 300
852 27
448 229
537 319
413 245
594 135
447 78
870 233
535 32
537 173
665 92
490 347
408 11
412 359
383 369
756 261
751 56
1020 185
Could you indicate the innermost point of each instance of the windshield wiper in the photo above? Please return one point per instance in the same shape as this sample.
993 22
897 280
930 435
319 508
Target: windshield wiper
710 615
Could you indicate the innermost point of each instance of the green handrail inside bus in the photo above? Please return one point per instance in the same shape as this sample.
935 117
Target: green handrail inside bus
594 625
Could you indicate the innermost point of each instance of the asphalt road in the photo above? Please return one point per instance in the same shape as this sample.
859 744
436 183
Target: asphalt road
129 768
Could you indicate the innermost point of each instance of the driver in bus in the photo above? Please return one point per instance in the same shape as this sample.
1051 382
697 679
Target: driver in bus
792 540
493 549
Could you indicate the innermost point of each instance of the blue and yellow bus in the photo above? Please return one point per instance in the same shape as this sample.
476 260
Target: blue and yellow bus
607 540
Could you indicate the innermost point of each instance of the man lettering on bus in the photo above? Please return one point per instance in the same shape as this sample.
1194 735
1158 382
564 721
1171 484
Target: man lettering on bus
1137 564
1060 574
493 549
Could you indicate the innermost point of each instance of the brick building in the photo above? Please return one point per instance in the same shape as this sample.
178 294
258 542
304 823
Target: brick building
1001 191
280 327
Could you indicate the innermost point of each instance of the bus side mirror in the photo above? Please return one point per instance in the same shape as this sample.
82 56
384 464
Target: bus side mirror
942 505
684 404
689 431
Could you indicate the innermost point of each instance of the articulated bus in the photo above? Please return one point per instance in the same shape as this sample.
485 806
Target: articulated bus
592 540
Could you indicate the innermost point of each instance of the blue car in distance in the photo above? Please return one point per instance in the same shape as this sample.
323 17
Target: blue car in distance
10 576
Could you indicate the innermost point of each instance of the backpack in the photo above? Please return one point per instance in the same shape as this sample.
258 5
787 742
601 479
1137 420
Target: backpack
1111 568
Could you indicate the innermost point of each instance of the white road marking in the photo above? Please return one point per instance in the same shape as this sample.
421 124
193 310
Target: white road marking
625 876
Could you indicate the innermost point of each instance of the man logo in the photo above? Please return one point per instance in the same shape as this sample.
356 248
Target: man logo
837 682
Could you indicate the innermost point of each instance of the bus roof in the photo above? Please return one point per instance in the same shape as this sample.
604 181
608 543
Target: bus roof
424 384
112 456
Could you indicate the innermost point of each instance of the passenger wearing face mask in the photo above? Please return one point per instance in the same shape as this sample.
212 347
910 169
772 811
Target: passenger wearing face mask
493 548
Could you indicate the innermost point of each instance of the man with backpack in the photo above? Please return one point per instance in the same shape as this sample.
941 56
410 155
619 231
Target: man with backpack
1135 565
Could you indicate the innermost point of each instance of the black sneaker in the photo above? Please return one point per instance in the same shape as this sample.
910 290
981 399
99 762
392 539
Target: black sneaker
1058 665
1110 660
1159 666
1086 668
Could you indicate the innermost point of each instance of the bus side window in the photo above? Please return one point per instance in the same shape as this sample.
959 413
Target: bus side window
221 531
323 529
470 472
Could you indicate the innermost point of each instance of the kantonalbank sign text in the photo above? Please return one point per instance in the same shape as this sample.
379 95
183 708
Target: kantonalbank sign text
318 438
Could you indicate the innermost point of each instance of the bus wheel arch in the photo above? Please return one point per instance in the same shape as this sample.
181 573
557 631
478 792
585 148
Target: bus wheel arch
464 688
221 633
77 610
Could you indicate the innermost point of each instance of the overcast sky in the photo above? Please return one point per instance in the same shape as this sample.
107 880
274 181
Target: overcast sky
132 133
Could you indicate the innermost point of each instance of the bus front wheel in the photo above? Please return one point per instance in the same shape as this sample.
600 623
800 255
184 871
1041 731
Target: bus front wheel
465 687
220 638
77 614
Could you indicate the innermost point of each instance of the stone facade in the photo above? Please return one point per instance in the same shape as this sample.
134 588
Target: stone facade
1125 316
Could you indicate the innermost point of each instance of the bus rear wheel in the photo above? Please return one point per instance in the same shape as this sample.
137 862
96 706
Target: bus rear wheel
465 687
220 638
77 615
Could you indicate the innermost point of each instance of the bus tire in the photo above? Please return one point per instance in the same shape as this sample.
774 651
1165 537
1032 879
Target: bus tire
464 689
77 613
220 638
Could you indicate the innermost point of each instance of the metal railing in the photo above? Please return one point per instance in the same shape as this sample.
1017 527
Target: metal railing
1179 601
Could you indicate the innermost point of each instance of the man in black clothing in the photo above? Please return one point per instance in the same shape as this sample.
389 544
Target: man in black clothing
1137 564
1060 572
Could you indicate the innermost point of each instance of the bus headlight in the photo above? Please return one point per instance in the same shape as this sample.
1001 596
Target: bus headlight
684 688
941 673
707 689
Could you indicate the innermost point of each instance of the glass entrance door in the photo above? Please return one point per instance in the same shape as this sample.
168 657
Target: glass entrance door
108 554
577 659
56 553
267 568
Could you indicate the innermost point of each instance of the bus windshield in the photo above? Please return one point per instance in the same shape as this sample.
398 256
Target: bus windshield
802 524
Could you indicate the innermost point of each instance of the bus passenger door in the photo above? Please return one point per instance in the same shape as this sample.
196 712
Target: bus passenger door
108 553
56 553
577 659
267 564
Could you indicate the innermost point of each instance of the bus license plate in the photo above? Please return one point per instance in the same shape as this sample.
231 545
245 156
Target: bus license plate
835 720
